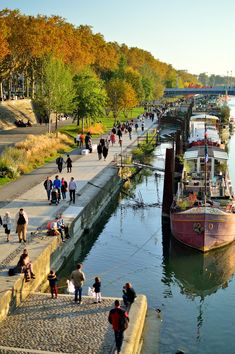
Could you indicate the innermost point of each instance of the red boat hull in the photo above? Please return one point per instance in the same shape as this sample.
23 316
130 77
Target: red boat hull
203 228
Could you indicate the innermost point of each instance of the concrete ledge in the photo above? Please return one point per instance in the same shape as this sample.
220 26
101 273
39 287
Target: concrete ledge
132 335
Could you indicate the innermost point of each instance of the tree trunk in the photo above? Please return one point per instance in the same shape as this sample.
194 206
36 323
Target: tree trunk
49 122
32 84
27 87
23 85
1 91
56 124
9 88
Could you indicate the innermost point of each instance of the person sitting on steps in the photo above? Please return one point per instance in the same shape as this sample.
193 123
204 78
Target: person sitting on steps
26 266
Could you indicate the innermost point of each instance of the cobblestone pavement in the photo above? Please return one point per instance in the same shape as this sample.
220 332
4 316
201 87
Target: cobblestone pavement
58 325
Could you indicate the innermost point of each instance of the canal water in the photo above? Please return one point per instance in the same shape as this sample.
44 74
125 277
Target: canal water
195 292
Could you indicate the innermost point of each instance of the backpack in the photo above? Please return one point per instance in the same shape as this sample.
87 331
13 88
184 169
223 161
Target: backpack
123 320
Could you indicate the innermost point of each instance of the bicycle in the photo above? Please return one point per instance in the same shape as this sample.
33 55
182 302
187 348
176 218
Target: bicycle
40 233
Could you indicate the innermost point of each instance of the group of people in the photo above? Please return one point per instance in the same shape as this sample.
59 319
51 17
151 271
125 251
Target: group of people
80 138
118 316
60 163
21 123
123 128
103 149
21 222
58 189
58 227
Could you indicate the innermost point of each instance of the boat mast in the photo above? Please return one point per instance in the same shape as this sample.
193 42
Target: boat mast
205 163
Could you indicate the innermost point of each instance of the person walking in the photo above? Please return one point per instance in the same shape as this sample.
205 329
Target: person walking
102 141
78 139
113 138
78 277
59 162
130 131
87 140
136 127
99 151
68 163
120 141
48 187
7 224
52 278
64 188
105 151
96 287
57 186
119 133
142 126
72 190
21 221
118 317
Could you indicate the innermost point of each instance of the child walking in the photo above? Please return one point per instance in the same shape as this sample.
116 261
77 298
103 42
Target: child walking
97 286
52 278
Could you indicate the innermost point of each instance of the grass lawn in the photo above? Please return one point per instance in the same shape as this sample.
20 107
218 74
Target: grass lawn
73 129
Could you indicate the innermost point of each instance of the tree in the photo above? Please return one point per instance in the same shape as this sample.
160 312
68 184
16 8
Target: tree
121 95
90 96
224 114
203 78
55 93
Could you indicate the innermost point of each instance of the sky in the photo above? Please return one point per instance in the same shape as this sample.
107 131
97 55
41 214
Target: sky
192 35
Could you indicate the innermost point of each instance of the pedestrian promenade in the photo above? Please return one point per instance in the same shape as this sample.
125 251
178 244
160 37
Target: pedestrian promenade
34 202
51 326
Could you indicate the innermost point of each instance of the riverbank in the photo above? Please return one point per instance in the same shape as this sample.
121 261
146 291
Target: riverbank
97 182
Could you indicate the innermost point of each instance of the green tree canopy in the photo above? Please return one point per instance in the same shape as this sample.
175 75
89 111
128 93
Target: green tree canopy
55 93
90 98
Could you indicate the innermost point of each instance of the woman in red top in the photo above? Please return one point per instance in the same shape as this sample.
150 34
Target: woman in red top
64 188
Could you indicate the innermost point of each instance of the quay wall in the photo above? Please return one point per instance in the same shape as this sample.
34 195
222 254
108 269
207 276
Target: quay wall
50 252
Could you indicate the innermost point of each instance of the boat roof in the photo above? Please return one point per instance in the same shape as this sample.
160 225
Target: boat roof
199 151
204 116
199 134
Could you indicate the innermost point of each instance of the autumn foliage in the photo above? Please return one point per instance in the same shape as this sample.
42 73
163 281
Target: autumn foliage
25 42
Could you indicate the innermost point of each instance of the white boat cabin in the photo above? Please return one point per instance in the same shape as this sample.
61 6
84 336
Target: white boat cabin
218 182
197 128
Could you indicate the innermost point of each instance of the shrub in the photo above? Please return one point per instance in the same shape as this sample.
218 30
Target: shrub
95 129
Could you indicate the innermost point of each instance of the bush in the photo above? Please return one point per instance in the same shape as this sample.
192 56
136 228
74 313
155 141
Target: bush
8 171
95 129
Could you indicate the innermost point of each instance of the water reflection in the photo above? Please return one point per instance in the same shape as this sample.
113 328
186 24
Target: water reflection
198 274
85 243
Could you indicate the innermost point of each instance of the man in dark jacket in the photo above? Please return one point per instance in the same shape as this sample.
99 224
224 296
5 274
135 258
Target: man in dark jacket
129 295
60 162
117 317
48 187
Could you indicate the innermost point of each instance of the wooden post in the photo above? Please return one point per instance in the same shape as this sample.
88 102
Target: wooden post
1 91
168 182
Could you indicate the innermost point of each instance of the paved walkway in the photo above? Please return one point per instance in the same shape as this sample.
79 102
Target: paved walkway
35 203
58 325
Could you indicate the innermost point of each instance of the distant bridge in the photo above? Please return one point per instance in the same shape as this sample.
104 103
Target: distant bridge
220 90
